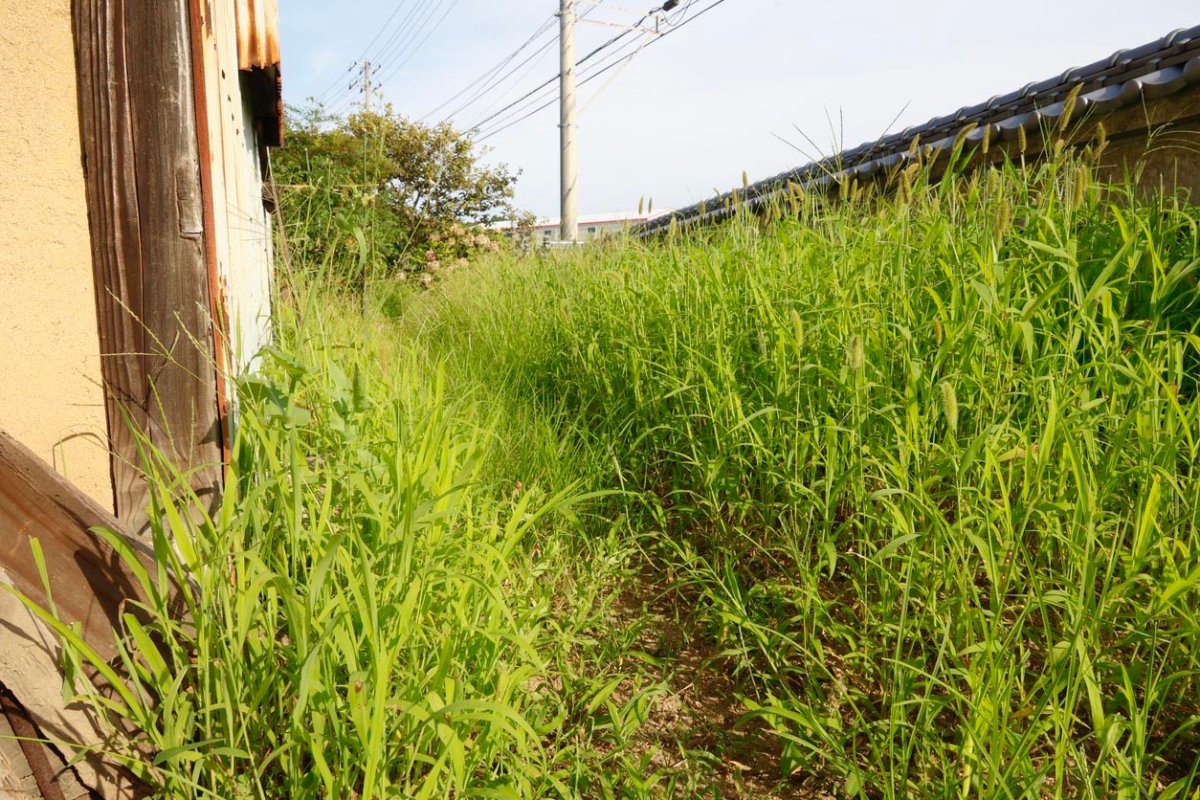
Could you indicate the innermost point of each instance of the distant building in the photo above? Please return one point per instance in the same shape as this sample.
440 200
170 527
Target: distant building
546 231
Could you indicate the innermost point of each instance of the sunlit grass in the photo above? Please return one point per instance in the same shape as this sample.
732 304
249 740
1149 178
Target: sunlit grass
921 470
927 465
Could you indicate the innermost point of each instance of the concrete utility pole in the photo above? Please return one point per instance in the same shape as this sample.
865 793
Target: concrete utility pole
569 230
368 87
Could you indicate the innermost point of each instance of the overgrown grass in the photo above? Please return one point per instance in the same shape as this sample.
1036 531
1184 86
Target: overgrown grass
922 469
927 466
372 613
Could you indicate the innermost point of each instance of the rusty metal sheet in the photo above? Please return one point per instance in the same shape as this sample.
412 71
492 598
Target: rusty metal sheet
235 129
257 34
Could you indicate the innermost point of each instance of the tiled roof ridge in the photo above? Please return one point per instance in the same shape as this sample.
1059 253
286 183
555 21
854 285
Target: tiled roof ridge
1155 69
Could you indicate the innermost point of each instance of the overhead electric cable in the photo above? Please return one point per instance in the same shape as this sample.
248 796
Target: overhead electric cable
417 48
549 94
547 25
379 33
496 130
551 80
339 97
492 81
405 35
496 84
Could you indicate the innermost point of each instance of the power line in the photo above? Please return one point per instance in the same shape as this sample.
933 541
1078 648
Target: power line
336 81
551 92
551 80
495 84
413 31
496 130
602 68
417 48
548 91
403 30
339 98
503 95
487 76
383 28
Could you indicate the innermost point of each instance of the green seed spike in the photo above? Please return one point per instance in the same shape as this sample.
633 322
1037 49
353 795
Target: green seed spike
1081 186
1069 107
854 352
962 137
745 180
949 405
798 329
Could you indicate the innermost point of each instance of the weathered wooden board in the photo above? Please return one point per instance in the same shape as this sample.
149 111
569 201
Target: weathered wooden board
89 585
145 210
88 580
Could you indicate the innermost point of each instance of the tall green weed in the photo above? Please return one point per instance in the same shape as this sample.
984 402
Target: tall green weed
927 466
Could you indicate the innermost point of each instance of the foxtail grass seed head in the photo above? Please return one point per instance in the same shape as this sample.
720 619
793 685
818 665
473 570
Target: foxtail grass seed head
949 405
987 138
1081 186
1022 141
1069 107
962 136
1003 218
939 332
798 328
854 352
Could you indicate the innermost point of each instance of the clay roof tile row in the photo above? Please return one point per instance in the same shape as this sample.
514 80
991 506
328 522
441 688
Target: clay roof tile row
1153 70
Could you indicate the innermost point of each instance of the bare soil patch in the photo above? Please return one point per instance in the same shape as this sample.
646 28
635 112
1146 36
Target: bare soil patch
698 728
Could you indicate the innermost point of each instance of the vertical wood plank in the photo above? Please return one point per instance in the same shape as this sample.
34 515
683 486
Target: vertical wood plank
145 209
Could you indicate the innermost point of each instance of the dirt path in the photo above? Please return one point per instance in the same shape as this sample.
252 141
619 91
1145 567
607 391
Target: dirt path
697 729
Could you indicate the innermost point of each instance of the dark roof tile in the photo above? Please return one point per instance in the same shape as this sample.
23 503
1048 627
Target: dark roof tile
1118 80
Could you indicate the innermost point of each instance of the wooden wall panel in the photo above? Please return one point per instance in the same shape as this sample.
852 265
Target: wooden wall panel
145 210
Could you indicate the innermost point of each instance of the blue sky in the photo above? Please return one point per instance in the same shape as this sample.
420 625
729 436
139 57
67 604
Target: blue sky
741 88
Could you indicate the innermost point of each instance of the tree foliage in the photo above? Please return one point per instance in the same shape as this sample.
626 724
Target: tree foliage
378 193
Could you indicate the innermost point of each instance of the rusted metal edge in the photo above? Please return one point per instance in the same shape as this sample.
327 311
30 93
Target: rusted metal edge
216 297
257 34
259 59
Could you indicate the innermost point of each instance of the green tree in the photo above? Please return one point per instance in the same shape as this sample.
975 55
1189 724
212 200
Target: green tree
377 193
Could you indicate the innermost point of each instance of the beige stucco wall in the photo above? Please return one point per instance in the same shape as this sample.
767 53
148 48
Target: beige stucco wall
50 396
